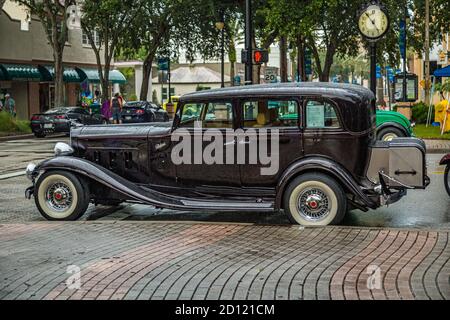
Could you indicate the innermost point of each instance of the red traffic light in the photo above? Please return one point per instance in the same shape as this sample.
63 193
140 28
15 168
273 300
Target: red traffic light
260 56
257 56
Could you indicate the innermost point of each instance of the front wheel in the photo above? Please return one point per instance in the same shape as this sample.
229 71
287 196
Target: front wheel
447 179
59 195
315 199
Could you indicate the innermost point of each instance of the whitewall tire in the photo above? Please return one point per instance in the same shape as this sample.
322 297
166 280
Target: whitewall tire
315 199
60 195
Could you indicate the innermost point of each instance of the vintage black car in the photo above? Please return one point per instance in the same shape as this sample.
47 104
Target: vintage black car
143 111
61 119
320 139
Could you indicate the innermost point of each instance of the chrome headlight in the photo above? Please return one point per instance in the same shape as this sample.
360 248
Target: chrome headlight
63 149
30 170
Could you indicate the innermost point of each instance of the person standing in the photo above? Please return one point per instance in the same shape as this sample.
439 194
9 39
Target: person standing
10 105
116 108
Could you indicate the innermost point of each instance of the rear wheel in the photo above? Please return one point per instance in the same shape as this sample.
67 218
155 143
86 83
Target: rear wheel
447 179
389 133
315 199
59 195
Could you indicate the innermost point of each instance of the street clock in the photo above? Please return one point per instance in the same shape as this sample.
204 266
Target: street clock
373 21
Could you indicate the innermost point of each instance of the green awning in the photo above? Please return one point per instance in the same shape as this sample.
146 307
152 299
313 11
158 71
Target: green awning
2 75
115 76
20 72
69 75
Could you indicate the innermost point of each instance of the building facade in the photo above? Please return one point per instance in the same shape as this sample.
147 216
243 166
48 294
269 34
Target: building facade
26 63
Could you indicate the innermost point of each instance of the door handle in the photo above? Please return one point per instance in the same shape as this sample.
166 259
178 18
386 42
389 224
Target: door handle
244 142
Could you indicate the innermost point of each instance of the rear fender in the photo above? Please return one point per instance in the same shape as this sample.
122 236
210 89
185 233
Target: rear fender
328 166
445 160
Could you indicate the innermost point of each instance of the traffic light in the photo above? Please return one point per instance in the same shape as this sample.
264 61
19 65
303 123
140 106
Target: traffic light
259 56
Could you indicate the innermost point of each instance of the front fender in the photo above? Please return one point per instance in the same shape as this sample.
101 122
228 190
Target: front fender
327 166
109 179
445 160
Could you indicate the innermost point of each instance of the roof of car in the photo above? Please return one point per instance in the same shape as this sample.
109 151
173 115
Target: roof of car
303 88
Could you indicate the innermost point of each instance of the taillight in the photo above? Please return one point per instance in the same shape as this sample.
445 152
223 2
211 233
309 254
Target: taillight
60 117
140 111
33 118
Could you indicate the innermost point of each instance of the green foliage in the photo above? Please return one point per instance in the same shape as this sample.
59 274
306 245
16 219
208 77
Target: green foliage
11 125
420 112
133 97
430 132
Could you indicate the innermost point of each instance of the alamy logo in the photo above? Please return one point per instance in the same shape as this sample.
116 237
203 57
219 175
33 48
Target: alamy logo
213 146
374 280
73 17
73 282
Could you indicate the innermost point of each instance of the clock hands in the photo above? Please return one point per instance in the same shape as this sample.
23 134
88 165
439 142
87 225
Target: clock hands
373 21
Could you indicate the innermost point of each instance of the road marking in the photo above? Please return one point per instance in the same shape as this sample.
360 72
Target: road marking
12 175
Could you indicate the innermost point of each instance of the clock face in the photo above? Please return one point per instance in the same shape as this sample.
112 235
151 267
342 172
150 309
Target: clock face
373 22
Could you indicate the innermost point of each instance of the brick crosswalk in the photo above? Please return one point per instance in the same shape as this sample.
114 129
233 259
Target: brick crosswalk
129 260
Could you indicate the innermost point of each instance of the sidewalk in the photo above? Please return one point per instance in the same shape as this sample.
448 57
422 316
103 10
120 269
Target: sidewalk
143 260
437 146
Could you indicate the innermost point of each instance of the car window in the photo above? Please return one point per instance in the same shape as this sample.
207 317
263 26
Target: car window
270 113
218 115
191 112
321 114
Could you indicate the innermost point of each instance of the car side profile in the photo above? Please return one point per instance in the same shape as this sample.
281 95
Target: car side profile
309 149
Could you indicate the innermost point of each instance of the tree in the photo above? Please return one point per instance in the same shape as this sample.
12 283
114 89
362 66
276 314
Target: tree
106 22
52 15
235 37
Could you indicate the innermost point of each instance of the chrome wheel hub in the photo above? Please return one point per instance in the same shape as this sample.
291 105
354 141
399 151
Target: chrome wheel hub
313 204
389 136
59 196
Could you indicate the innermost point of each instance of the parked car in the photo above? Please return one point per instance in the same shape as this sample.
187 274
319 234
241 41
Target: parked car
391 124
60 120
143 111
327 160
446 161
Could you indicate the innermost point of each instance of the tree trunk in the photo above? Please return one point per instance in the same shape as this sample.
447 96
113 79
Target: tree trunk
147 71
301 58
283 59
232 73
146 76
58 79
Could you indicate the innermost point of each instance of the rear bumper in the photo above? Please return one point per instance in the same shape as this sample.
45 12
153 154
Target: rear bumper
40 127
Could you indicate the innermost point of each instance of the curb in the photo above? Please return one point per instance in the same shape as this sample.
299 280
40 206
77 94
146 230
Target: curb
19 137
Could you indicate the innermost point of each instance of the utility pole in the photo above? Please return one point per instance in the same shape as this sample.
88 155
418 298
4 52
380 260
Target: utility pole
373 67
427 50
248 42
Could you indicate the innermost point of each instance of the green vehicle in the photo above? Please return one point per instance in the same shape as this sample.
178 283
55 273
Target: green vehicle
391 124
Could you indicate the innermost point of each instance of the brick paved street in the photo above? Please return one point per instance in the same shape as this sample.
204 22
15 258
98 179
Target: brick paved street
150 260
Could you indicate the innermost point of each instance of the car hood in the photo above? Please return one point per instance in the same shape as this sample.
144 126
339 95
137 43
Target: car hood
122 130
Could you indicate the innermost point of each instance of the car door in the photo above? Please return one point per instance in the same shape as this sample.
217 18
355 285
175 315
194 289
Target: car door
324 133
206 124
276 123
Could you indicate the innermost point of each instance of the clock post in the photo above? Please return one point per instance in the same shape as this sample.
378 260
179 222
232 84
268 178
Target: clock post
373 23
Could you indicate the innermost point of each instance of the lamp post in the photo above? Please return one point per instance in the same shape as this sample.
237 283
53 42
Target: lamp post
248 42
220 25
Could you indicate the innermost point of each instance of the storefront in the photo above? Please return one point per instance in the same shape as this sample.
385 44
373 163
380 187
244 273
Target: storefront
33 89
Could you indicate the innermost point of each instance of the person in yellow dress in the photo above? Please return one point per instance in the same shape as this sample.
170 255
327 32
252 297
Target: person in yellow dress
441 109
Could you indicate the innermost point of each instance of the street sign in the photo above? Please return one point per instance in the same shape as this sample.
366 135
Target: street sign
163 64
259 56
390 74
402 39
270 75
308 63
378 72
